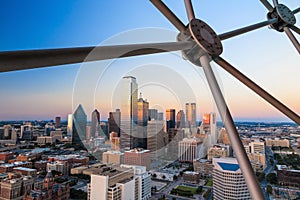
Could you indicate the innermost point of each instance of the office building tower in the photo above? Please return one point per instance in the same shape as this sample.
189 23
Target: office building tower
189 149
7 131
95 123
208 127
228 180
115 184
88 132
160 116
143 180
48 128
26 132
103 130
156 138
128 96
190 111
180 119
114 141
137 156
140 139
57 122
152 114
70 125
170 119
174 136
114 122
79 126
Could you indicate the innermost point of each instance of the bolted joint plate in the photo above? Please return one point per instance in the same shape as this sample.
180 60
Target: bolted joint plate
206 41
284 15
205 37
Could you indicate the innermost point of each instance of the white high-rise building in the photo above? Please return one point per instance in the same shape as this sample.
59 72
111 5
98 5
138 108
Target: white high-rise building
144 181
128 105
228 180
112 185
189 149
127 182
70 125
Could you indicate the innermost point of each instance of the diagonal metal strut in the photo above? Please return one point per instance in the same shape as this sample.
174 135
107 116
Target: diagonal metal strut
257 89
241 155
168 14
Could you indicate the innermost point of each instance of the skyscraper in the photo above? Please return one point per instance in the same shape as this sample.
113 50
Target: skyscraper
189 149
180 119
190 110
228 180
209 126
160 116
70 125
79 126
57 122
170 119
114 122
95 123
140 140
152 114
129 97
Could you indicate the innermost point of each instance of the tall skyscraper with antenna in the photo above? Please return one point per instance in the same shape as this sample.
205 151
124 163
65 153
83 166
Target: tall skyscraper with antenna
129 105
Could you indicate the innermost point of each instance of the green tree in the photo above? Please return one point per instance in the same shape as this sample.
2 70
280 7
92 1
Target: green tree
269 189
260 176
77 194
272 178
175 178
199 190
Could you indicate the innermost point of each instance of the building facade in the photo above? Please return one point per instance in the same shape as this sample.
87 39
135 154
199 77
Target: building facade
228 180
189 149
137 156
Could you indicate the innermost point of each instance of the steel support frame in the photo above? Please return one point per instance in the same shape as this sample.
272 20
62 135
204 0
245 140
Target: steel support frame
241 155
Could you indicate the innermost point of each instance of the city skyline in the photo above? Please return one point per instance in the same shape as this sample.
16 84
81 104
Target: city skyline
46 93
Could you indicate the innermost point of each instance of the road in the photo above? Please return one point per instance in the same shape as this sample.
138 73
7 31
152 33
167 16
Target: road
267 170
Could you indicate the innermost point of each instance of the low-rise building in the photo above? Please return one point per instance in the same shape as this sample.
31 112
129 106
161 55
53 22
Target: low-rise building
25 171
191 177
6 156
113 157
218 151
277 142
288 177
203 167
59 166
4 168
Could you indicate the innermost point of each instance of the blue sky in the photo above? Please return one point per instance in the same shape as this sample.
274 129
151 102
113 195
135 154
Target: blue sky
265 55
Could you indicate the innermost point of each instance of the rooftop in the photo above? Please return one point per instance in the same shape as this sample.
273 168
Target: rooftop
25 169
229 166
138 150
